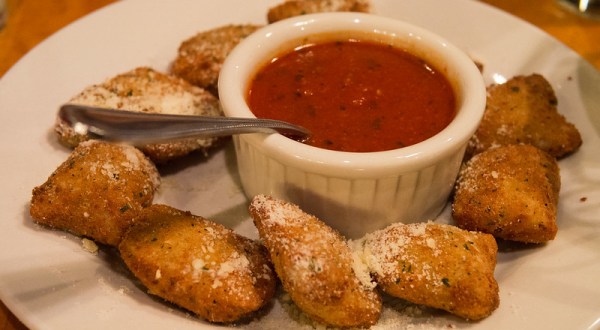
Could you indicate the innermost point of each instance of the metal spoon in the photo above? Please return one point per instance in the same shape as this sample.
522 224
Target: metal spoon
142 127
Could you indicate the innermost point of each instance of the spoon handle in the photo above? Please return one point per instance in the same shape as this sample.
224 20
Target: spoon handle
143 127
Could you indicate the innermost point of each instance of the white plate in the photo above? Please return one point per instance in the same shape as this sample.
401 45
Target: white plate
50 282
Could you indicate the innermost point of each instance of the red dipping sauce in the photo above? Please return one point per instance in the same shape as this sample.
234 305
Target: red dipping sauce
354 96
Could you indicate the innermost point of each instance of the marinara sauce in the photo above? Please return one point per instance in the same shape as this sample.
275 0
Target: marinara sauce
354 96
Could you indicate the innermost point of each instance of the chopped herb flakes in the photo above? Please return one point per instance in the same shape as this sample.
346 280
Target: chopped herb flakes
446 281
124 208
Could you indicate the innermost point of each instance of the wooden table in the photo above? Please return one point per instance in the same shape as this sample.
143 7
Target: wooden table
31 21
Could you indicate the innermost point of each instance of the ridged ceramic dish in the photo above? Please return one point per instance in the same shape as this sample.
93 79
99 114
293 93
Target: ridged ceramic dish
354 192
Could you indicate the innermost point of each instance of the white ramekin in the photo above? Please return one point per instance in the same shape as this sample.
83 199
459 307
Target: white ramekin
355 193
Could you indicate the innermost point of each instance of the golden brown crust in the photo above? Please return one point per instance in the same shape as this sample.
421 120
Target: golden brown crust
96 192
524 110
199 58
198 264
314 264
436 265
291 8
146 90
510 192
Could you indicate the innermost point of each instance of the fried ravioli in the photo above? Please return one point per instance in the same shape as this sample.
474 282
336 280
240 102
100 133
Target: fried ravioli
314 264
436 265
96 192
524 110
198 264
510 192
291 8
199 58
146 90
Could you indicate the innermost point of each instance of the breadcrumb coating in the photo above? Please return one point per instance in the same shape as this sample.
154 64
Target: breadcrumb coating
198 264
524 110
436 265
291 8
96 192
314 264
510 192
147 90
200 58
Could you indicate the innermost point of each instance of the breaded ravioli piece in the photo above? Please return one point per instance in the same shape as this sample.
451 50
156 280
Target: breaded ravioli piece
97 191
436 265
524 110
198 264
200 58
314 264
510 192
146 90
291 8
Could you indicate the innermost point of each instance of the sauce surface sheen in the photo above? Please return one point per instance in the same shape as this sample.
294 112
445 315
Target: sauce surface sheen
354 96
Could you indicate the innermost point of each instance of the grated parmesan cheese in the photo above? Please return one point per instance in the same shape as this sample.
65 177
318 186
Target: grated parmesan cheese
89 245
